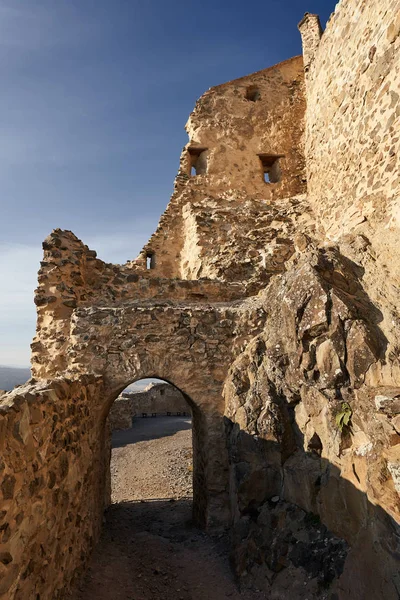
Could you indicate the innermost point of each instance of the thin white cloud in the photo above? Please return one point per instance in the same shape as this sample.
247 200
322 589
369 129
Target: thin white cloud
19 265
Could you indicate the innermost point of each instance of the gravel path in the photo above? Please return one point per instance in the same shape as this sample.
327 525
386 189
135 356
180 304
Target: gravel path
152 460
149 549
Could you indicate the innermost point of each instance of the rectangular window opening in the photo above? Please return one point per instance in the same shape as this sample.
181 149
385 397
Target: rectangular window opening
150 260
197 160
270 167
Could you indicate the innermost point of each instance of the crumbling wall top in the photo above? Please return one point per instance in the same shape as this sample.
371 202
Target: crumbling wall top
311 33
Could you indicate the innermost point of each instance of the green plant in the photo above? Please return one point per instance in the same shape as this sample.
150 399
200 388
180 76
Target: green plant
343 417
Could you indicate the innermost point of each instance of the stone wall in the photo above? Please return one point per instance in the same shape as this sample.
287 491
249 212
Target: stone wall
121 413
157 399
352 121
51 448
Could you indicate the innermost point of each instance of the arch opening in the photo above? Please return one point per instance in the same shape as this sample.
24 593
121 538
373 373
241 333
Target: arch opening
154 439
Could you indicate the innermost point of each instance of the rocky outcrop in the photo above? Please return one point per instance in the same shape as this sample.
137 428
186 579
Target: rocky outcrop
314 449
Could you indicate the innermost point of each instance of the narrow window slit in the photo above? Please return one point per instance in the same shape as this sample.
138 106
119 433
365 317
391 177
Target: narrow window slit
150 260
253 93
197 160
270 167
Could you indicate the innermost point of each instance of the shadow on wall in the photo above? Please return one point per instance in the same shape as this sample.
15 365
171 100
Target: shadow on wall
150 429
300 528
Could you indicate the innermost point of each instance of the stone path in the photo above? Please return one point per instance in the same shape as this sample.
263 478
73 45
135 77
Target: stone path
150 550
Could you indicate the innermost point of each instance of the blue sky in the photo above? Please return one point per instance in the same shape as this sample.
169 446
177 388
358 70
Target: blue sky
95 96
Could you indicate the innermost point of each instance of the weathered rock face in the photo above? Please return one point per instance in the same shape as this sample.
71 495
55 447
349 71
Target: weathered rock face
285 394
272 308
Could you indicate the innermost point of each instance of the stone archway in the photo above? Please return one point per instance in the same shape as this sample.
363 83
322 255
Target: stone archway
189 347
207 466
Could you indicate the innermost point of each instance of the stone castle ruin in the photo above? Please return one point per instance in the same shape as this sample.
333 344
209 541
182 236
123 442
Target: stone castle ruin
156 400
269 296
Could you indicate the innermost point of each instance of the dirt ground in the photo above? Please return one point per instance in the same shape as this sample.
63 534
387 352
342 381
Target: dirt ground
152 460
149 548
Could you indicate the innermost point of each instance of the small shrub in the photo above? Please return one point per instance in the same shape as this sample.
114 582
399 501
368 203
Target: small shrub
343 417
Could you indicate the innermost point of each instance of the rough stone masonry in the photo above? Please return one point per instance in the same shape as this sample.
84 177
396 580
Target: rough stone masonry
269 297
157 399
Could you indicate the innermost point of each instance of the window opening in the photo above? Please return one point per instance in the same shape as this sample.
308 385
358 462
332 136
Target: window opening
150 260
271 168
197 160
253 93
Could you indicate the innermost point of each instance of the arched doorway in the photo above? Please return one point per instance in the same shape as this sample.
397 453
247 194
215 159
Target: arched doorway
152 547
188 346
151 444
209 472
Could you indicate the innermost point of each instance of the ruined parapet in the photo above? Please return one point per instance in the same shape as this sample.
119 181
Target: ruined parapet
311 33
246 146
71 276
246 135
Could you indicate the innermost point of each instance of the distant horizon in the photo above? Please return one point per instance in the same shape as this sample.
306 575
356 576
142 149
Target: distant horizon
11 375
15 366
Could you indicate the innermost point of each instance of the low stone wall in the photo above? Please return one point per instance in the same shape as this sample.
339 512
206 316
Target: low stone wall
157 399
51 456
121 414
